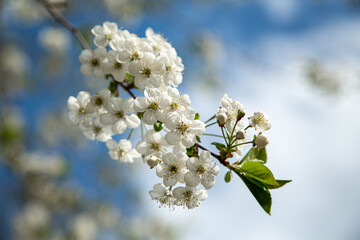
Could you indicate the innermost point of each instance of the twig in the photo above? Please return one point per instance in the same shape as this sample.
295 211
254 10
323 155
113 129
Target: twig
63 21
218 157
126 88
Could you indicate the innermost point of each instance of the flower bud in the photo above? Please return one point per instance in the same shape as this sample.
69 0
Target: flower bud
261 141
240 135
221 119
153 161
240 114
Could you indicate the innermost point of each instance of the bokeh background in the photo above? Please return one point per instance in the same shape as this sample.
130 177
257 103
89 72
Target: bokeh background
296 60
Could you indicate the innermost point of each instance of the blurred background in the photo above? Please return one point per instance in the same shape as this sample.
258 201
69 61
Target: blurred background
296 60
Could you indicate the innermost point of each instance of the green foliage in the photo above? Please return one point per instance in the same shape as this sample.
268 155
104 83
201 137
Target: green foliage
221 147
259 172
255 154
262 195
257 177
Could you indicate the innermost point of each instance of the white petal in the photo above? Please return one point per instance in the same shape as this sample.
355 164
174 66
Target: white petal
132 121
111 145
172 138
149 117
192 179
119 127
179 192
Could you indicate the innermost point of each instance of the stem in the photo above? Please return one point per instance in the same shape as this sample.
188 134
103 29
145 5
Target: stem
218 157
242 143
210 119
213 135
247 127
63 21
210 124
222 131
130 133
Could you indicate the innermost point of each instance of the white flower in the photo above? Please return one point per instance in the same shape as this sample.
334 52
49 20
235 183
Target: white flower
114 67
150 105
162 195
94 130
174 102
99 101
173 68
147 71
260 121
129 47
55 39
261 141
184 130
156 41
104 34
92 62
77 107
154 144
231 108
201 170
117 115
189 197
172 168
123 152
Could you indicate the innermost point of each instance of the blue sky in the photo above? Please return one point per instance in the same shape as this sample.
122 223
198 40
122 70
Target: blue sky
314 138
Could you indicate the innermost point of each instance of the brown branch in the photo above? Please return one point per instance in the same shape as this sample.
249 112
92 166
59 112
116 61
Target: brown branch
126 88
63 21
218 157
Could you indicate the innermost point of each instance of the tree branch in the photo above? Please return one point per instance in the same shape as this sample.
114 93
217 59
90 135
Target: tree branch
63 21
218 157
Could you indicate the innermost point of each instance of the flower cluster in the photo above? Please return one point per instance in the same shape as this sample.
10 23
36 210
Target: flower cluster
151 65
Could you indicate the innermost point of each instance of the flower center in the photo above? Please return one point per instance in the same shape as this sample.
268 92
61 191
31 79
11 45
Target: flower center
173 169
174 106
168 68
99 101
155 146
95 62
183 128
260 119
120 114
153 106
82 110
118 65
146 72
97 130
135 56
200 170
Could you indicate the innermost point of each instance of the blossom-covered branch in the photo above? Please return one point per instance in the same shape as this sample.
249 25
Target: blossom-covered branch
170 143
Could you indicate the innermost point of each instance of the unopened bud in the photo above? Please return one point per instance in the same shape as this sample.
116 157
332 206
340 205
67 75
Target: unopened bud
153 161
240 114
240 135
261 141
221 119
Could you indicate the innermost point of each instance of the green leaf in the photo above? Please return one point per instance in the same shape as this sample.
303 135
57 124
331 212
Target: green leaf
219 146
158 126
255 153
281 183
197 116
228 177
198 138
262 195
259 172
